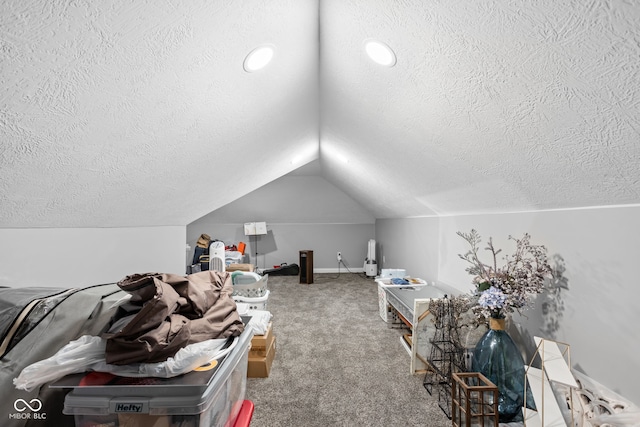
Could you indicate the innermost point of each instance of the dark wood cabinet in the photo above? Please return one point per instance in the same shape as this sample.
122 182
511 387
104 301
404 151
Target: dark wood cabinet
306 266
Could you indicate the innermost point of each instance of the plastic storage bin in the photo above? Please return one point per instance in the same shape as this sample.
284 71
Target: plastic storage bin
245 415
208 396
393 272
248 284
233 257
258 303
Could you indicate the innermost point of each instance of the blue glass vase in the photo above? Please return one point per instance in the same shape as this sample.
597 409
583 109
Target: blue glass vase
497 358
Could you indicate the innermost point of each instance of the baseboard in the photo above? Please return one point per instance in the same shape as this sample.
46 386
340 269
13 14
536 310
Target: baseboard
338 270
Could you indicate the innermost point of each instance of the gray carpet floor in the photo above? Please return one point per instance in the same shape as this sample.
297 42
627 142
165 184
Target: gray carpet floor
337 363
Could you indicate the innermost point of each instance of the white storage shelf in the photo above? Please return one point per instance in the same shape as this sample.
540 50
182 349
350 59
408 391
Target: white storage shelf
387 313
412 303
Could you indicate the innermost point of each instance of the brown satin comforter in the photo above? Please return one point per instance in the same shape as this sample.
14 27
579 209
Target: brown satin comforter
168 312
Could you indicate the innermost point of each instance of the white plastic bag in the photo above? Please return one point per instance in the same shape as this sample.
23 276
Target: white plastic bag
87 354
259 322
260 319
73 357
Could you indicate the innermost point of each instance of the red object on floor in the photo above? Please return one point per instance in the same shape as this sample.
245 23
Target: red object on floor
245 414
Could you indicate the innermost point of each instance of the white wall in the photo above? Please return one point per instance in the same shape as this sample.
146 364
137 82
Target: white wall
77 257
302 212
409 243
284 242
294 199
599 250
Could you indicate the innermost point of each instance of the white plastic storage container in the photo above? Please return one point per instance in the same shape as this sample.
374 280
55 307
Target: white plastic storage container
248 284
258 303
233 257
393 272
208 396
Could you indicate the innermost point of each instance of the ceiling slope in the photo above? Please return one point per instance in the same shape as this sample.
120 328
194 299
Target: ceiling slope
131 114
492 106
300 197
128 113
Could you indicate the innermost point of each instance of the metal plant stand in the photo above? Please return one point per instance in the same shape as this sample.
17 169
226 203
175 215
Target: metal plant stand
447 355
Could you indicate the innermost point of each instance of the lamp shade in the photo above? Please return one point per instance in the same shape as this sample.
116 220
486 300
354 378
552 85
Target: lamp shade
255 228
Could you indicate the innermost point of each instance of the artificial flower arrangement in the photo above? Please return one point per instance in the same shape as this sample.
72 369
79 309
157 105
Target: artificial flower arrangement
501 290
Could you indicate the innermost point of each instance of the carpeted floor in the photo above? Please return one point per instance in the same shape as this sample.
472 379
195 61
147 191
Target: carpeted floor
337 363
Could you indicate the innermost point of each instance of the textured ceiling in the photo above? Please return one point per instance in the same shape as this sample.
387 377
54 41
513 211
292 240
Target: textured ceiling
120 113
493 106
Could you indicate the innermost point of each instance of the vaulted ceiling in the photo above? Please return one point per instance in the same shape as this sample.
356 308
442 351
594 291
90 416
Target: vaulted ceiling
120 113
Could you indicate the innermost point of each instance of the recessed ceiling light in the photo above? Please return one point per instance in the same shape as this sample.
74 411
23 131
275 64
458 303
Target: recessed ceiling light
380 53
258 58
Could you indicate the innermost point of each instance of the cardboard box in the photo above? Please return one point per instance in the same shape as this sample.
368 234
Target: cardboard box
262 342
239 267
263 350
260 366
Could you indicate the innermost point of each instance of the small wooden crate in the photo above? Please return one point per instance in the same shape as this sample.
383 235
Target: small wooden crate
474 400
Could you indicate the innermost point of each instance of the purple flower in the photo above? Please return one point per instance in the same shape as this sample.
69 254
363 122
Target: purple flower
493 298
